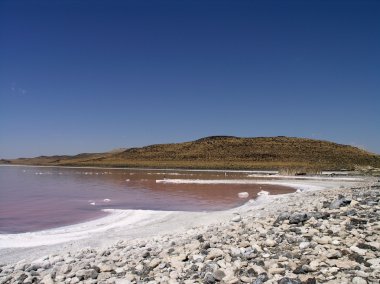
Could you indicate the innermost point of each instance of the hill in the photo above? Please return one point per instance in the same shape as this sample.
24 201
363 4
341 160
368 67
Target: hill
224 152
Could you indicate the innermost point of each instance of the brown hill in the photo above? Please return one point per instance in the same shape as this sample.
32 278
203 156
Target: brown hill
225 152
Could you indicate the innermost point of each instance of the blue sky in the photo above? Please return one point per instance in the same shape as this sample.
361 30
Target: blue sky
90 76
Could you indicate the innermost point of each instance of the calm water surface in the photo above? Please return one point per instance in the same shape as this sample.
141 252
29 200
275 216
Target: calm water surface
36 198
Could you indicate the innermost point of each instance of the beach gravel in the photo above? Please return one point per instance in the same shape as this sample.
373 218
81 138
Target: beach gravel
326 236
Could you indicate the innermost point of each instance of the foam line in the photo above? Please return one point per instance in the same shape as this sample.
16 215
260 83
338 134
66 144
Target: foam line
116 218
307 177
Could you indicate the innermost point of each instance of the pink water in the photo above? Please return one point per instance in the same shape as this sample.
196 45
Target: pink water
37 198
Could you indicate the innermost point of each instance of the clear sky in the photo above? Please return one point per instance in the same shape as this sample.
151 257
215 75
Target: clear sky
90 76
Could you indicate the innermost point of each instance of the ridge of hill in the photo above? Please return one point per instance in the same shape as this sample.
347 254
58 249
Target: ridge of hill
224 152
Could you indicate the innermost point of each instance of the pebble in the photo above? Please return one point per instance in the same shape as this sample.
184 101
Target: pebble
304 245
358 280
236 218
329 236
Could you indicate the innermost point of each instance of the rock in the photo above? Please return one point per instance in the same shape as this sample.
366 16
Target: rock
341 201
19 276
86 274
154 263
209 278
298 218
29 280
219 274
318 215
287 280
374 262
145 254
198 257
308 268
345 264
359 251
282 217
74 280
261 278
214 253
64 269
334 254
245 279
366 246
21 265
103 277
47 280
122 281
323 241
354 203
299 270
304 245
105 267
358 280
259 270
374 245
276 270
236 218
314 265
311 281
41 263
270 243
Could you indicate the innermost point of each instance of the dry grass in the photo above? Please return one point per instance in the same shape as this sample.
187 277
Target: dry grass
227 153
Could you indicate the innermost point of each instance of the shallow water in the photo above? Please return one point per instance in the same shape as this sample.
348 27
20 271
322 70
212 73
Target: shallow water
37 198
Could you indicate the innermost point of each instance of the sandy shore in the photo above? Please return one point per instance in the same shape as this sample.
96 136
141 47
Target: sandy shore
132 227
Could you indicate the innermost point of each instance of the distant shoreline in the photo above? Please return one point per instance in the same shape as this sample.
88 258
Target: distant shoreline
223 153
144 169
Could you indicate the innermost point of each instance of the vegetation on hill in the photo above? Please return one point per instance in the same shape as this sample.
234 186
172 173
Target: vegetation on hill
225 152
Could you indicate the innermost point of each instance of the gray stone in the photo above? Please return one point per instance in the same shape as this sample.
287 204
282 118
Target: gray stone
86 274
64 269
298 218
219 274
209 278
341 201
287 280
261 278
282 217
358 280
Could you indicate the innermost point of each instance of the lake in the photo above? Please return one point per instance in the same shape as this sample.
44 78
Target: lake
38 198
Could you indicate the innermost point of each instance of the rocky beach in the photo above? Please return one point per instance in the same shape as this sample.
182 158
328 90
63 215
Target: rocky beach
329 235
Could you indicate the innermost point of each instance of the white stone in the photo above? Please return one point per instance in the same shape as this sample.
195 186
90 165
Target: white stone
243 194
270 243
214 253
304 245
358 280
198 257
237 218
358 250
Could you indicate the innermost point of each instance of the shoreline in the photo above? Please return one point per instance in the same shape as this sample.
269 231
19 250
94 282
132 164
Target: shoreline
119 220
124 217
144 169
142 249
